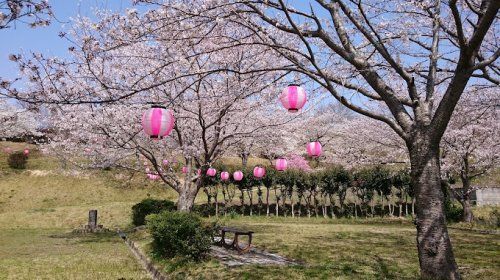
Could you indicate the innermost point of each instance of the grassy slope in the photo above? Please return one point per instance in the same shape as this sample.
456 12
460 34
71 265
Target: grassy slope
38 208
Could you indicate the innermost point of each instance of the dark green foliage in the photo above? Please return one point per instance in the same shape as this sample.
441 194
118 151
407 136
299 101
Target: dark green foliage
149 206
180 234
17 160
452 211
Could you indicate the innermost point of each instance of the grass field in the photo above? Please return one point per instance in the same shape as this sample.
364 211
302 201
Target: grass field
39 208
341 249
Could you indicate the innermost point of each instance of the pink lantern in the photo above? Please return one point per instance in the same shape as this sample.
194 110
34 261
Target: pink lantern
158 122
184 169
198 172
238 175
165 162
281 164
293 98
259 172
211 172
314 149
224 175
26 152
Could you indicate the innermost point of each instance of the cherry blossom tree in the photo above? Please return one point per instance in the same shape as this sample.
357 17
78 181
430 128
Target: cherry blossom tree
363 141
97 97
32 12
17 122
414 71
472 142
408 75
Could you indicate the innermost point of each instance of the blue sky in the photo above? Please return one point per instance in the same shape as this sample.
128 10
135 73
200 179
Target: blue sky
22 38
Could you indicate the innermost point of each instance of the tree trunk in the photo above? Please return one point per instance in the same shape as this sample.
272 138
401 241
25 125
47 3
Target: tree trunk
242 202
250 197
406 204
355 210
413 206
216 205
382 213
465 199
244 158
267 202
332 205
186 198
299 204
400 209
435 252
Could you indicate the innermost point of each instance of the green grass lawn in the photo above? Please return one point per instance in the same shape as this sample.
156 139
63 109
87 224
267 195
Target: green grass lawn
39 208
55 254
341 249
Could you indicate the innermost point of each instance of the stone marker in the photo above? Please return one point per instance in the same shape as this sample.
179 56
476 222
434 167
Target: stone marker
91 226
92 219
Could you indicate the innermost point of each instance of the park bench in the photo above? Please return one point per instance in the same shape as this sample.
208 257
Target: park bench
235 243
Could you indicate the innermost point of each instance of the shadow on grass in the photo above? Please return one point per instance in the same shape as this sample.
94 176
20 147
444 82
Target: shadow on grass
103 237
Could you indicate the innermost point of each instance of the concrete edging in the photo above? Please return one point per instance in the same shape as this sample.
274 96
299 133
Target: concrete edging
148 265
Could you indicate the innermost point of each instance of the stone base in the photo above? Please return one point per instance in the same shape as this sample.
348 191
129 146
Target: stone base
89 229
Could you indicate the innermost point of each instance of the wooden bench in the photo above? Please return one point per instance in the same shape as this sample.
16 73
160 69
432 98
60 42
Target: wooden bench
235 244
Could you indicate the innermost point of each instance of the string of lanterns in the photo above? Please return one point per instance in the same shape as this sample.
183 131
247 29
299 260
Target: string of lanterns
158 122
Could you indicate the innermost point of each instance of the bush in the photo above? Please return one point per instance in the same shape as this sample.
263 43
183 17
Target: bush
180 234
17 160
149 206
452 211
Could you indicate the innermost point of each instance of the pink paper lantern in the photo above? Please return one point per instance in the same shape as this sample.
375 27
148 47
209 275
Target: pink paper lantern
259 172
224 175
293 98
281 164
26 152
211 172
158 122
165 162
314 149
184 169
238 175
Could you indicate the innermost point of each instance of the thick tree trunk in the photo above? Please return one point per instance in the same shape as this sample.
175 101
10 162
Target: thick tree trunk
186 197
434 247
465 199
467 217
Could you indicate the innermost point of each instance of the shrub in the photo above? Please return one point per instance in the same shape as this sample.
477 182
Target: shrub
149 206
452 211
180 234
17 160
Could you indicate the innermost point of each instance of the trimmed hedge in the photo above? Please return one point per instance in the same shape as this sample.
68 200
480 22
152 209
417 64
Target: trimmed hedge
149 206
17 160
180 234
